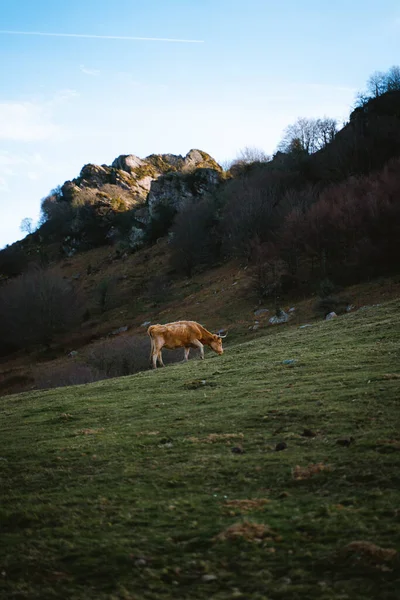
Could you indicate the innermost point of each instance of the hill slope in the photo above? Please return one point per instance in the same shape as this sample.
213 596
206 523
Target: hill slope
167 484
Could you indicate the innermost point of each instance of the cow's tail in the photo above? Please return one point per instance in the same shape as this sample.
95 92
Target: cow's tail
149 331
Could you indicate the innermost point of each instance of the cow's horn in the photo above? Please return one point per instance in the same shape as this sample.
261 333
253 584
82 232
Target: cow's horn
222 336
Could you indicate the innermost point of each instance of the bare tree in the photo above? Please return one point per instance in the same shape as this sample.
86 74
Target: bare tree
251 154
393 79
27 226
308 135
377 84
325 131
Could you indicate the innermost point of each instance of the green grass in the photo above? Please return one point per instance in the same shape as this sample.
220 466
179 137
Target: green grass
119 489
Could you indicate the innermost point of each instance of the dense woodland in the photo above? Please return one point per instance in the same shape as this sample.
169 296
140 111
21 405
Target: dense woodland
323 212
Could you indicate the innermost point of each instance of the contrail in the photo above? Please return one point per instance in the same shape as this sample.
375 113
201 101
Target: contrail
103 37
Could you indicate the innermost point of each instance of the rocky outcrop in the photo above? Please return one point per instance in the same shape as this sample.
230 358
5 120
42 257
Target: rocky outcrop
177 189
70 190
167 179
127 162
197 159
152 189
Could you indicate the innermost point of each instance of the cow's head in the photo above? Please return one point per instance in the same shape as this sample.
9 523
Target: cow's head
216 343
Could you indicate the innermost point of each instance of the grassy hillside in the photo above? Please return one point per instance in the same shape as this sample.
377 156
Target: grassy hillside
221 298
168 484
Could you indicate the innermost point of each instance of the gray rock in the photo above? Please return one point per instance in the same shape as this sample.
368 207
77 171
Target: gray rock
304 326
140 562
127 162
282 318
145 324
70 190
120 330
94 175
368 306
136 237
73 353
209 577
175 190
330 316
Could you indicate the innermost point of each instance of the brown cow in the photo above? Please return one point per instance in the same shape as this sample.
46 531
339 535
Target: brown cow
181 334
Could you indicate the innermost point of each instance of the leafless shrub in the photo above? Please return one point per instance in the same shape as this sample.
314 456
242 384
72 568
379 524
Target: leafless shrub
329 304
37 306
71 373
246 157
125 355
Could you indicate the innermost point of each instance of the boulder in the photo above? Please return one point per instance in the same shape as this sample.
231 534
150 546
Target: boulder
281 317
330 316
120 330
70 190
94 175
127 162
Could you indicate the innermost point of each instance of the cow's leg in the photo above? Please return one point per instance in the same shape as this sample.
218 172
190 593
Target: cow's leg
156 354
199 345
160 360
154 359
186 350
153 354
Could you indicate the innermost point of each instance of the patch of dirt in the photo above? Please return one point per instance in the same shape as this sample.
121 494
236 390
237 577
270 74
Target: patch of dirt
237 507
387 445
369 554
89 431
299 473
249 531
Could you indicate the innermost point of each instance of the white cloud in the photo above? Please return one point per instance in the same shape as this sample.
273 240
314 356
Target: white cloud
92 72
26 122
15 165
32 121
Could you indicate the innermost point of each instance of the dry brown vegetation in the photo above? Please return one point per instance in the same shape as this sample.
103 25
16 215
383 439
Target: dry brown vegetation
223 297
249 531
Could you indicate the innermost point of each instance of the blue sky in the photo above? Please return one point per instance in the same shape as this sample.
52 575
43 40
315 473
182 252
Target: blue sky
68 101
